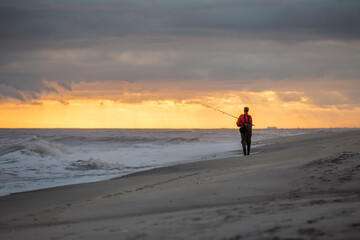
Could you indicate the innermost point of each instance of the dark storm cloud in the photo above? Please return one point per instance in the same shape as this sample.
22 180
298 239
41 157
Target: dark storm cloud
10 92
279 19
18 85
49 24
22 81
308 19
67 41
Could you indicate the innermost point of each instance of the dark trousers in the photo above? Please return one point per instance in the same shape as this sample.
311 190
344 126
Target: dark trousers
246 142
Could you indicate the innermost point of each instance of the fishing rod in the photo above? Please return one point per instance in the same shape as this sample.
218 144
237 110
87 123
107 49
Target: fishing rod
219 110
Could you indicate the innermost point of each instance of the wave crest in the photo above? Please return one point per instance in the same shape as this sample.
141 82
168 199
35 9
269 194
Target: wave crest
39 147
138 138
93 164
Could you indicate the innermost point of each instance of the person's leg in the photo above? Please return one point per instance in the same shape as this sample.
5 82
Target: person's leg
243 143
248 143
244 149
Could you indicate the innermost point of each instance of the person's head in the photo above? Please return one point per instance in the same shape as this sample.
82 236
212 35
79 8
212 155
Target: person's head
246 109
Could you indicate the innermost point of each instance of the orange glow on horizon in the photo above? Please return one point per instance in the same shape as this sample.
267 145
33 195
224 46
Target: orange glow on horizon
265 107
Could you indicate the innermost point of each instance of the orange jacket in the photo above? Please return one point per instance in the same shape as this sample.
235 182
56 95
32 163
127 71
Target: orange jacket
243 119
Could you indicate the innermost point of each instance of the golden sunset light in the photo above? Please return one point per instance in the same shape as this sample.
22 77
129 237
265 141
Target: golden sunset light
120 69
172 109
181 119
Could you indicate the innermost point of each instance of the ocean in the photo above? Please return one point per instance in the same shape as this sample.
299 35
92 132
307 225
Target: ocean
41 158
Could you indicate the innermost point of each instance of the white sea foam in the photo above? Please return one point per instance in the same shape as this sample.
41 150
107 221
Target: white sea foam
40 158
39 147
94 164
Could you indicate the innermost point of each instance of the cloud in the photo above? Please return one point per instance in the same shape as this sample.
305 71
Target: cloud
23 85
63 102
216 61
290 96
205 45
65 84
277 19
10 92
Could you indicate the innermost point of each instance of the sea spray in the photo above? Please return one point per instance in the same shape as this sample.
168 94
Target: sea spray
40 158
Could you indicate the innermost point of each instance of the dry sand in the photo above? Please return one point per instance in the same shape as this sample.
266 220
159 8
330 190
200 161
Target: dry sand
301 187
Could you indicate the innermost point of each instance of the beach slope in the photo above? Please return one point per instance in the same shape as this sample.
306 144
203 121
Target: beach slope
299 187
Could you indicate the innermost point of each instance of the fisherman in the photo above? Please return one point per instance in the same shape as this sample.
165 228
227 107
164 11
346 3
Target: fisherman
245 124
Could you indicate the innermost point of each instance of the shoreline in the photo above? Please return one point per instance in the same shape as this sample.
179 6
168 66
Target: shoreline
261 144
215 155
210 157
303 186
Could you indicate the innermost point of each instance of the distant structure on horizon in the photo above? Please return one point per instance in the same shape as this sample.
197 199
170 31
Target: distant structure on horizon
271 128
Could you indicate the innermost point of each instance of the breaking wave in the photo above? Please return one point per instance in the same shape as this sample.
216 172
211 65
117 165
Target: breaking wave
93 164
129 140
40 158
36 147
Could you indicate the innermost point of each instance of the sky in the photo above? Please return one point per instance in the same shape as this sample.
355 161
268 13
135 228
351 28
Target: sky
151 63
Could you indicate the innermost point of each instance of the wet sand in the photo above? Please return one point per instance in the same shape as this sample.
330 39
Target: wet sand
301 187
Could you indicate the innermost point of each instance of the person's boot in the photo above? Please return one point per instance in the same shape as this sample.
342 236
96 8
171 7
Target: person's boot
248 149
244 149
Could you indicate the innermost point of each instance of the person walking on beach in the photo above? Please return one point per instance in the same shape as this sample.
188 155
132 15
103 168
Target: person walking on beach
245 124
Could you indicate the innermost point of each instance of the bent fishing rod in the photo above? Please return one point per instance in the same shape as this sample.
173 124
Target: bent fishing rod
220 111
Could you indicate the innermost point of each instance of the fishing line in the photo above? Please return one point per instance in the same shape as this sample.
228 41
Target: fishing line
219 110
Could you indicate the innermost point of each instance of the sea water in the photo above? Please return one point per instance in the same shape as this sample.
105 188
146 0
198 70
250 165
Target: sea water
40 158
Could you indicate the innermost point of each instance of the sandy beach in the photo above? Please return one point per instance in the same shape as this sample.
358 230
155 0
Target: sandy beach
299 187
